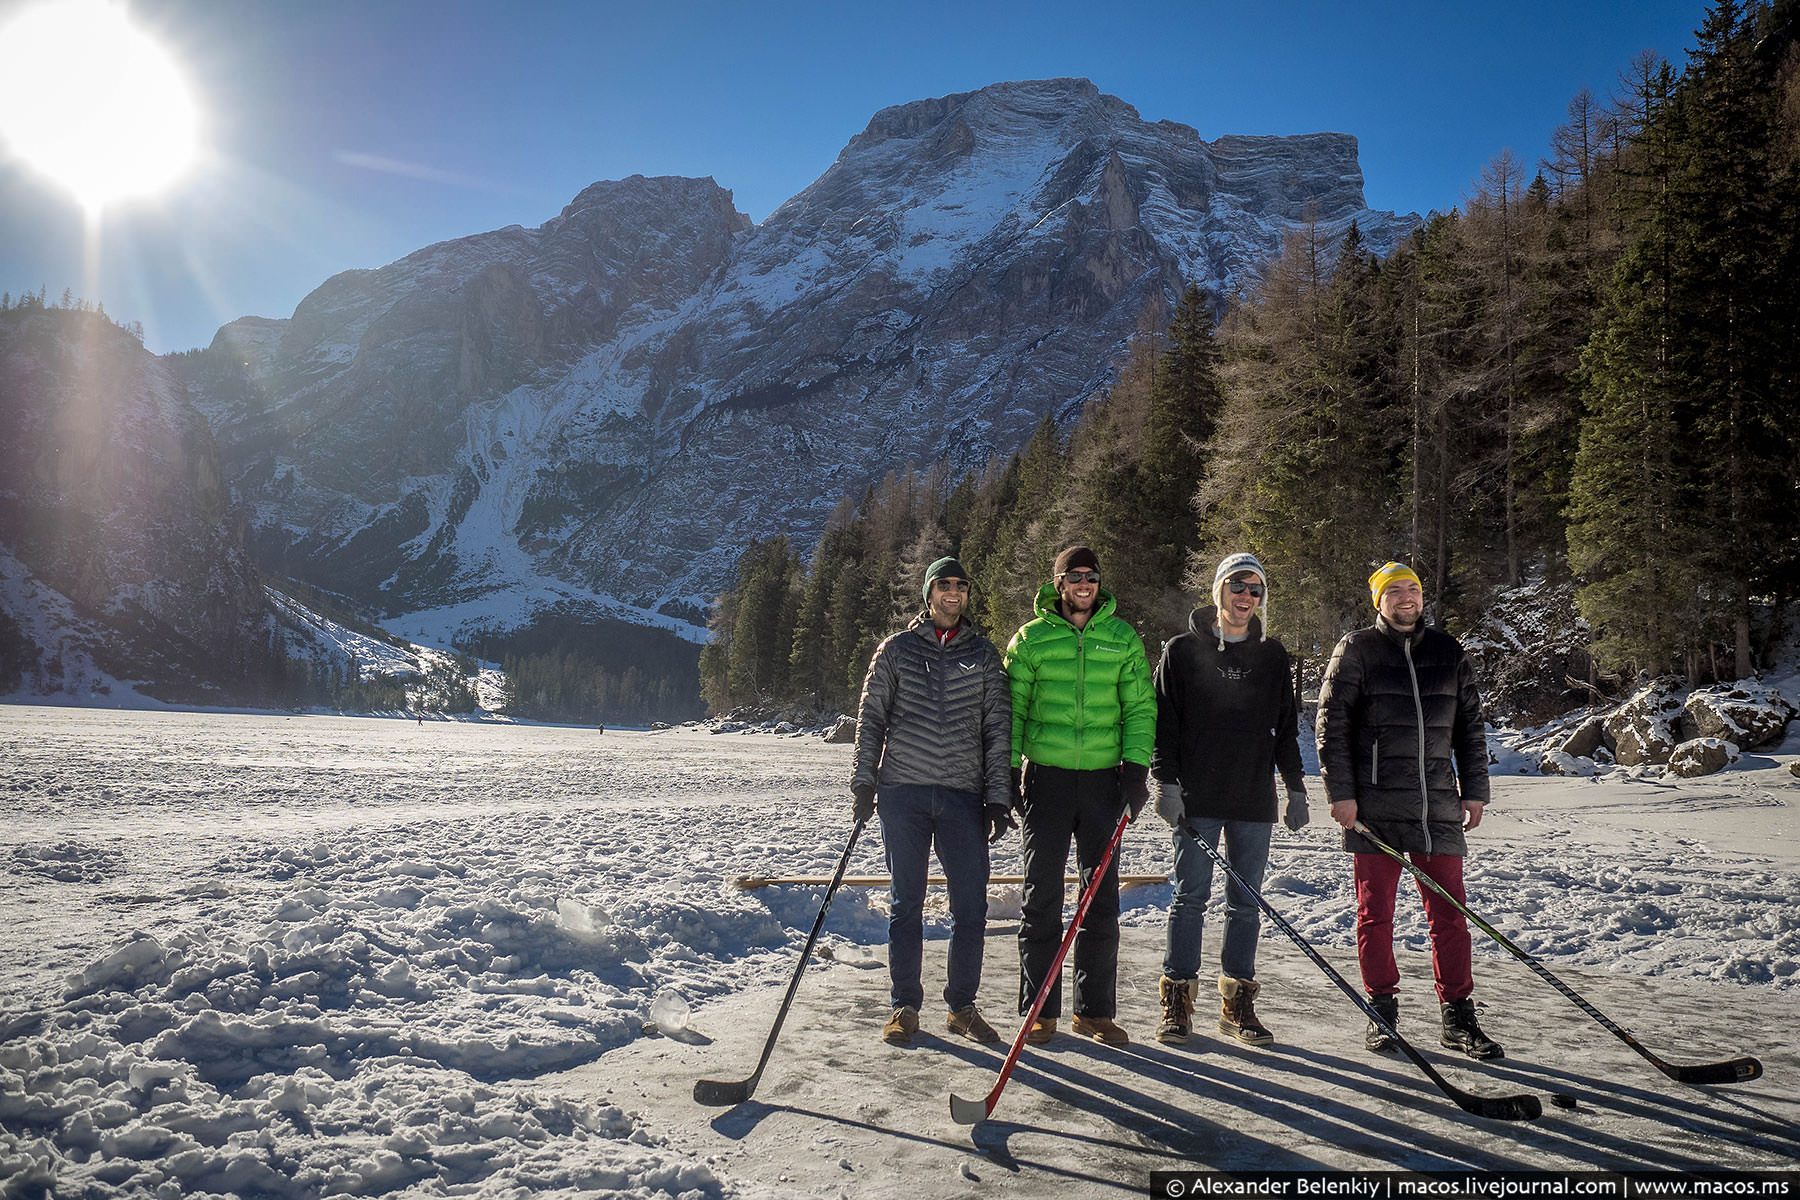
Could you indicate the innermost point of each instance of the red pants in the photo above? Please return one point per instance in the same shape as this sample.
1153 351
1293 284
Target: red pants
1377 877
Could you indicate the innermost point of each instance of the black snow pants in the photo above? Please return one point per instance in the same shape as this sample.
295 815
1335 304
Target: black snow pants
1061 804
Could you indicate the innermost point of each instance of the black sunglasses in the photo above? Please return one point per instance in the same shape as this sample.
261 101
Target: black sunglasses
1082 576
1239 587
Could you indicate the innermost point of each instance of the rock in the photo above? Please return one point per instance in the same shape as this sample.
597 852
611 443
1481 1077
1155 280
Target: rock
1588 737
1702 756
1794 767
1559 762
1747 714
1642 729
843 731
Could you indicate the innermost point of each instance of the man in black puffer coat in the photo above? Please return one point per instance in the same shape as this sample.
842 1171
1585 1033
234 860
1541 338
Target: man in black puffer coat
1402 748
934 753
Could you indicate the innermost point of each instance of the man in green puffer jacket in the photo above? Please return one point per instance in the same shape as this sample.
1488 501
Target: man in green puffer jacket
1083 726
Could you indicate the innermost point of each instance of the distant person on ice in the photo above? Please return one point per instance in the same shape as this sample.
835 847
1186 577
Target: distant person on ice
1225 721
933 737
1402 748
1083 725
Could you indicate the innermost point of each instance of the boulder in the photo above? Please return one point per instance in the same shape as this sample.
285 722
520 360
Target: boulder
843 731
1560 762
1642 729
1746 714
1588 737
1702 756
1794 767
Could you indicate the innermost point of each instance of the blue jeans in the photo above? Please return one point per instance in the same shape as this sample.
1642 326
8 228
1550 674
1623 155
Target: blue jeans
1247 850
913 818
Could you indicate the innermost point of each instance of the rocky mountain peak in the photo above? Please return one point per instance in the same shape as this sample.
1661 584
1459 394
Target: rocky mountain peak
601 411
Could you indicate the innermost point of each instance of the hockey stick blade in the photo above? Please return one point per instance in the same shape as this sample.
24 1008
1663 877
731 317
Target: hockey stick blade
723 1093
1502 1108
1738 1070
968 1112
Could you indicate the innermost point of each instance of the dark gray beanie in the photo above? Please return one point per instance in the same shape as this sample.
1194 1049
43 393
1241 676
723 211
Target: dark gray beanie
943 568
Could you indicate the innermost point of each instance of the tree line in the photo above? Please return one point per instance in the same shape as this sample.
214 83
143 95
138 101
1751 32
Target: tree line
1587 375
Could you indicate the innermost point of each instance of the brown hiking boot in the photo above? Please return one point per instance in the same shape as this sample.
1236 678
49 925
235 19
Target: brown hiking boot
1042 1030
967 1022
1177 1009
901 1026
1237 1011
1101 1029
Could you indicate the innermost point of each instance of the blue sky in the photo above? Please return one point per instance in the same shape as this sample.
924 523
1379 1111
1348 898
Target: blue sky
346 133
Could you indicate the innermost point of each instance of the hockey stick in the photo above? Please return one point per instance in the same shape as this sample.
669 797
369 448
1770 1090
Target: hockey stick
971 1112
1501 1108
1736 1070
727 1092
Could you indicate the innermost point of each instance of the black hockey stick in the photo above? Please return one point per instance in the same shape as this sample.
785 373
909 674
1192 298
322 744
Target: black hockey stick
973 1112
1501 1108
1736 1070
725 1092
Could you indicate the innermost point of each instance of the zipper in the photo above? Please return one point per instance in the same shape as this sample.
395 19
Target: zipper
1419 711
1374 763
1080 688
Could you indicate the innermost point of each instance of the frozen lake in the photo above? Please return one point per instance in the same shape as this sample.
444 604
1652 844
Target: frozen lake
222 936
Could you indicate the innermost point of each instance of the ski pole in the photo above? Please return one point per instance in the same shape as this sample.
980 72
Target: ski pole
1501 1108
1736 1070
726 1092
971 1112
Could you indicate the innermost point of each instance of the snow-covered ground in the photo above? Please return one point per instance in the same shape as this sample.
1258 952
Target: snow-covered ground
311 955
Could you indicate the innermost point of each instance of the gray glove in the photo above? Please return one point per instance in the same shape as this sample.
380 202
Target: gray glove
1168 804
862 805
1296 815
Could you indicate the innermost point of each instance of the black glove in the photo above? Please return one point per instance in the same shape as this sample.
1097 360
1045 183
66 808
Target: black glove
863 806
999 820
1296 816
1134 786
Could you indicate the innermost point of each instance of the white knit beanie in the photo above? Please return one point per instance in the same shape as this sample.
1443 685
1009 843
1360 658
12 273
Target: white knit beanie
1234 564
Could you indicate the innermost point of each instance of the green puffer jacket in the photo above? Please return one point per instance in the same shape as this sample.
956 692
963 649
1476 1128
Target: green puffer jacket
1082 700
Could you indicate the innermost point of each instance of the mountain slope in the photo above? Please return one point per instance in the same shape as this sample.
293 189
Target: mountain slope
596 414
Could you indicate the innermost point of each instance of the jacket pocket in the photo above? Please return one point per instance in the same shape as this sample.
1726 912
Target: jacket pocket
1374 763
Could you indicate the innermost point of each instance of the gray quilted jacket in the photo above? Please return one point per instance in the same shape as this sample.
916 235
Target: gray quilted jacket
936 714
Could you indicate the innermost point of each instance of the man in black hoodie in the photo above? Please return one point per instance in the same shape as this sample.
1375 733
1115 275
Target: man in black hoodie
1225 722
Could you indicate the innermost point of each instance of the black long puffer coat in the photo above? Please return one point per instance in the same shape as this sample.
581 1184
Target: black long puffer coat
1400 733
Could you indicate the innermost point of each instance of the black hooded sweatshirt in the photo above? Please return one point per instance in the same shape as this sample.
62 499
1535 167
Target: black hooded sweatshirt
1226 721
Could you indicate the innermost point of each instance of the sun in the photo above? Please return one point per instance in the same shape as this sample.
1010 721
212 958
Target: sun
93 103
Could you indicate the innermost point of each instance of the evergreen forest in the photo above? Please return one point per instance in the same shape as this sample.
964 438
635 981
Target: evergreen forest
1585 375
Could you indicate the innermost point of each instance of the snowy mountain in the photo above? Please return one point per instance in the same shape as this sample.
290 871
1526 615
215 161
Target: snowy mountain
593 416
120 559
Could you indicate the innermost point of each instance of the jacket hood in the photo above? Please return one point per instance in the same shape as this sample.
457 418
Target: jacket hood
1047 598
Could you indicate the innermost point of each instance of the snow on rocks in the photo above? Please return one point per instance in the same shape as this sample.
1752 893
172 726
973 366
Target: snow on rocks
1642 729
1702 756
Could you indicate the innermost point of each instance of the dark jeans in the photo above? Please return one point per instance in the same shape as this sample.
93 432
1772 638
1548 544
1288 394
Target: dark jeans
1059 805
1247 852
913 818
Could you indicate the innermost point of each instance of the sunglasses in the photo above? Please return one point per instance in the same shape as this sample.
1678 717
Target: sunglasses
1239 587
950 585
1081 576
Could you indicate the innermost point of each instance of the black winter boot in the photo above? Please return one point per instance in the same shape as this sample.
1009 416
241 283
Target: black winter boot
1462 1033
1376 1038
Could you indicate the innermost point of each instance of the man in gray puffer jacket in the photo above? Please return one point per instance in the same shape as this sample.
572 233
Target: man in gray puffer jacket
933 752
